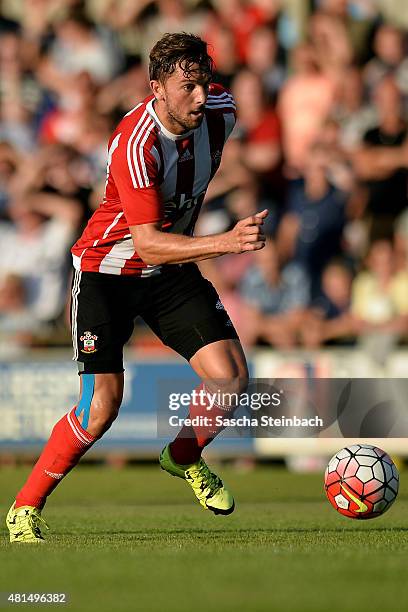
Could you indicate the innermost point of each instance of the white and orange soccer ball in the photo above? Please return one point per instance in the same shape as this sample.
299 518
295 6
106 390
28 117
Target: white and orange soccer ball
361 481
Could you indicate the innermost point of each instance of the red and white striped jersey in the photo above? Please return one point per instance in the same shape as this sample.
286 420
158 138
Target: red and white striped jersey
153 176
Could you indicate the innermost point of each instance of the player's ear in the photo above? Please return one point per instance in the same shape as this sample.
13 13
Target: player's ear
157 89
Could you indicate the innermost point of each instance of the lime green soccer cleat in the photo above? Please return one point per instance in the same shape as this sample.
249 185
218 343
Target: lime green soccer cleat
207 487
24 524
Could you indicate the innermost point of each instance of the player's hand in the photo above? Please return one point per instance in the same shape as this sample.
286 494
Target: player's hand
247 235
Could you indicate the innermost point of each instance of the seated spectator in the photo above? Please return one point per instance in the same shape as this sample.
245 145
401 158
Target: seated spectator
275 298
329 320
380 301
312 226
380 293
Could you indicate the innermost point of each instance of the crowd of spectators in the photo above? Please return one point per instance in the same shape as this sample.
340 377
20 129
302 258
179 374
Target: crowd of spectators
321 141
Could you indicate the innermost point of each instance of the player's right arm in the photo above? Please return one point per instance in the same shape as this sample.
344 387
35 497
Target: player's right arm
156 247
135 170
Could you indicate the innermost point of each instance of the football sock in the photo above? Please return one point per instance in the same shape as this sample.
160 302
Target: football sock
192 439
66 445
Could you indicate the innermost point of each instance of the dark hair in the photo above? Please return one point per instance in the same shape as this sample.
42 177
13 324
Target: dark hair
178 49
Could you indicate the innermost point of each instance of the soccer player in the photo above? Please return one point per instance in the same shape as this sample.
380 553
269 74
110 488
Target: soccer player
136 258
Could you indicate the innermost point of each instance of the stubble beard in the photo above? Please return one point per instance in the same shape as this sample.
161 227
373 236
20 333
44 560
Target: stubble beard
186 123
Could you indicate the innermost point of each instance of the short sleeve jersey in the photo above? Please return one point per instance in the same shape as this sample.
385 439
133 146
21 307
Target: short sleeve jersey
153 176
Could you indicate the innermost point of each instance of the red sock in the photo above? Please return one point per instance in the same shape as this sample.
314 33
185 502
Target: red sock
192 439
67 443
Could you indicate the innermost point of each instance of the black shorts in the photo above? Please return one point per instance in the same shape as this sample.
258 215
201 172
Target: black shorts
181 307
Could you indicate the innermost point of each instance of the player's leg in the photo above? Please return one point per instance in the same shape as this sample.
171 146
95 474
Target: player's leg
222 367
187 314
70 439
101 324
223 370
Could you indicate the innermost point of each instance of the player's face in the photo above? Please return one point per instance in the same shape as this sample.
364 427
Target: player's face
181 99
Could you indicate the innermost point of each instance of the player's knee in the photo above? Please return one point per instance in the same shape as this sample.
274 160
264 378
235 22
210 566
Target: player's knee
238 376
235 380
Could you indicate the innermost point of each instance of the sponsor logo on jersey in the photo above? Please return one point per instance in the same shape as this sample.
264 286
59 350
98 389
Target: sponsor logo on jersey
186 156
88 340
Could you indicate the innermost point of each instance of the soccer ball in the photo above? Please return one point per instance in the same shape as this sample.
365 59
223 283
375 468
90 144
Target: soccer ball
361 481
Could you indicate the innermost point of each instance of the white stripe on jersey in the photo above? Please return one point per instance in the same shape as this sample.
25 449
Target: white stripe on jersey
115 260
112 225
225 98
108 229
136 162
141 156
129 145
216 101
221 96
202 158
224 105
133 109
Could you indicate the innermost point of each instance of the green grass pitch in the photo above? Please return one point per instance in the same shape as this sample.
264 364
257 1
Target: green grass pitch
135 539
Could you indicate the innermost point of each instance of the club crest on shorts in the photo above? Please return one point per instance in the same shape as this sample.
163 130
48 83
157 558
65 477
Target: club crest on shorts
88 340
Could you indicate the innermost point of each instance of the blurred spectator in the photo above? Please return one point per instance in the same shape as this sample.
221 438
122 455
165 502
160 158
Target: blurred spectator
276 297
227 58
260 130
62 171
329 320
16 320
380 301
79 47
312 227
263 60
170 16
33 249
354 114
331 43
305 102
380 293
118 97
389 59
242 17
382 161
358 17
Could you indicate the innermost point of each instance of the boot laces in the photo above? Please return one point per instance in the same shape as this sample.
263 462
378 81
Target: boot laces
203 481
